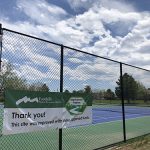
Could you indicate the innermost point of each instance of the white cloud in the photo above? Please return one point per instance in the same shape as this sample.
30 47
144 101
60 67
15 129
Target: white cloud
95 69
113 4
136 44
41 11
122 5
32 58
114 15
75 60
53 23
77 4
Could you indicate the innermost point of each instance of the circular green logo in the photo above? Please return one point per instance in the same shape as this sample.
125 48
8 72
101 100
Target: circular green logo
76 105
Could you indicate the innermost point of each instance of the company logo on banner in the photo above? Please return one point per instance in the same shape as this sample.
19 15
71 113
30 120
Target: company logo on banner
76 105
27 111
38 100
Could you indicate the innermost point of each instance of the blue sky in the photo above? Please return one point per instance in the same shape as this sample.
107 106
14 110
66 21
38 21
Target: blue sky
117 29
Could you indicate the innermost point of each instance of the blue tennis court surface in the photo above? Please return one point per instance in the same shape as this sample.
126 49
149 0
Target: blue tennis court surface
108 114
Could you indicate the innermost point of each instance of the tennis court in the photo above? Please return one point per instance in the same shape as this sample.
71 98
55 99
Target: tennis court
106 129
102 113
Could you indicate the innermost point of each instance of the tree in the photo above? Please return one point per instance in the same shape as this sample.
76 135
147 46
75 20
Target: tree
98 95
109 95
148 93
38 86
74 91
88 89
142 92
130 87
77 91
10 79
66 91
45 88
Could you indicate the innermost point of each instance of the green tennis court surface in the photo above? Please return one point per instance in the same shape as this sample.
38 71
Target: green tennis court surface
87 137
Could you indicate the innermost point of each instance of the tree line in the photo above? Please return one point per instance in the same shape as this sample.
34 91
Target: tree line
132 89
10 79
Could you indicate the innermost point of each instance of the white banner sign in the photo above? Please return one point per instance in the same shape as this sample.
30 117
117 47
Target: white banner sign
35 111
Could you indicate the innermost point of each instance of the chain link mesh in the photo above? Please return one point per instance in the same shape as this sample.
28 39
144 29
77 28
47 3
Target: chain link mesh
33 65
86 73
137 101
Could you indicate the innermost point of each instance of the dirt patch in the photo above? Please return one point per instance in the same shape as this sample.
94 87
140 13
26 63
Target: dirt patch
142 143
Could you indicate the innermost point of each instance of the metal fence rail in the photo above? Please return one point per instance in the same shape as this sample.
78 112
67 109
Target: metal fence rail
121 94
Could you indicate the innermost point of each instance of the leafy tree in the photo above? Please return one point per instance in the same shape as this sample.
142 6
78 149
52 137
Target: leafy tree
38 86
130 87
10 79
66 91
142 93
148 93
74 91
109 95
45 88
88 89
98 95
79 91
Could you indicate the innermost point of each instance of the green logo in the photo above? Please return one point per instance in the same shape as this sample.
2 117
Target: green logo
76 105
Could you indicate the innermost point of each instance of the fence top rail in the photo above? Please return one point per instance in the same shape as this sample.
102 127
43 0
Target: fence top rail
135 67
30 36
40 39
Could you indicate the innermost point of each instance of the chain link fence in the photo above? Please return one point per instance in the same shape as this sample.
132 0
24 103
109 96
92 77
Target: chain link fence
137 101
121 93
83 72
20 59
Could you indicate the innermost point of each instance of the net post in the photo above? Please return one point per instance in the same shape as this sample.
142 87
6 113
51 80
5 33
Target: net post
122 101
61 89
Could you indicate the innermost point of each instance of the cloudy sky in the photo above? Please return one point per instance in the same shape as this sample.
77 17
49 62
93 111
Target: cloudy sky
117 29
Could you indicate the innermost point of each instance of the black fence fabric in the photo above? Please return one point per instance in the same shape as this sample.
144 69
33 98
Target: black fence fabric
137 101
86 73
20 57
121 93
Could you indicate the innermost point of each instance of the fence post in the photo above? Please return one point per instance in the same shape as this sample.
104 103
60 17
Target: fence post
1 80
1 33
61 90
122 101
